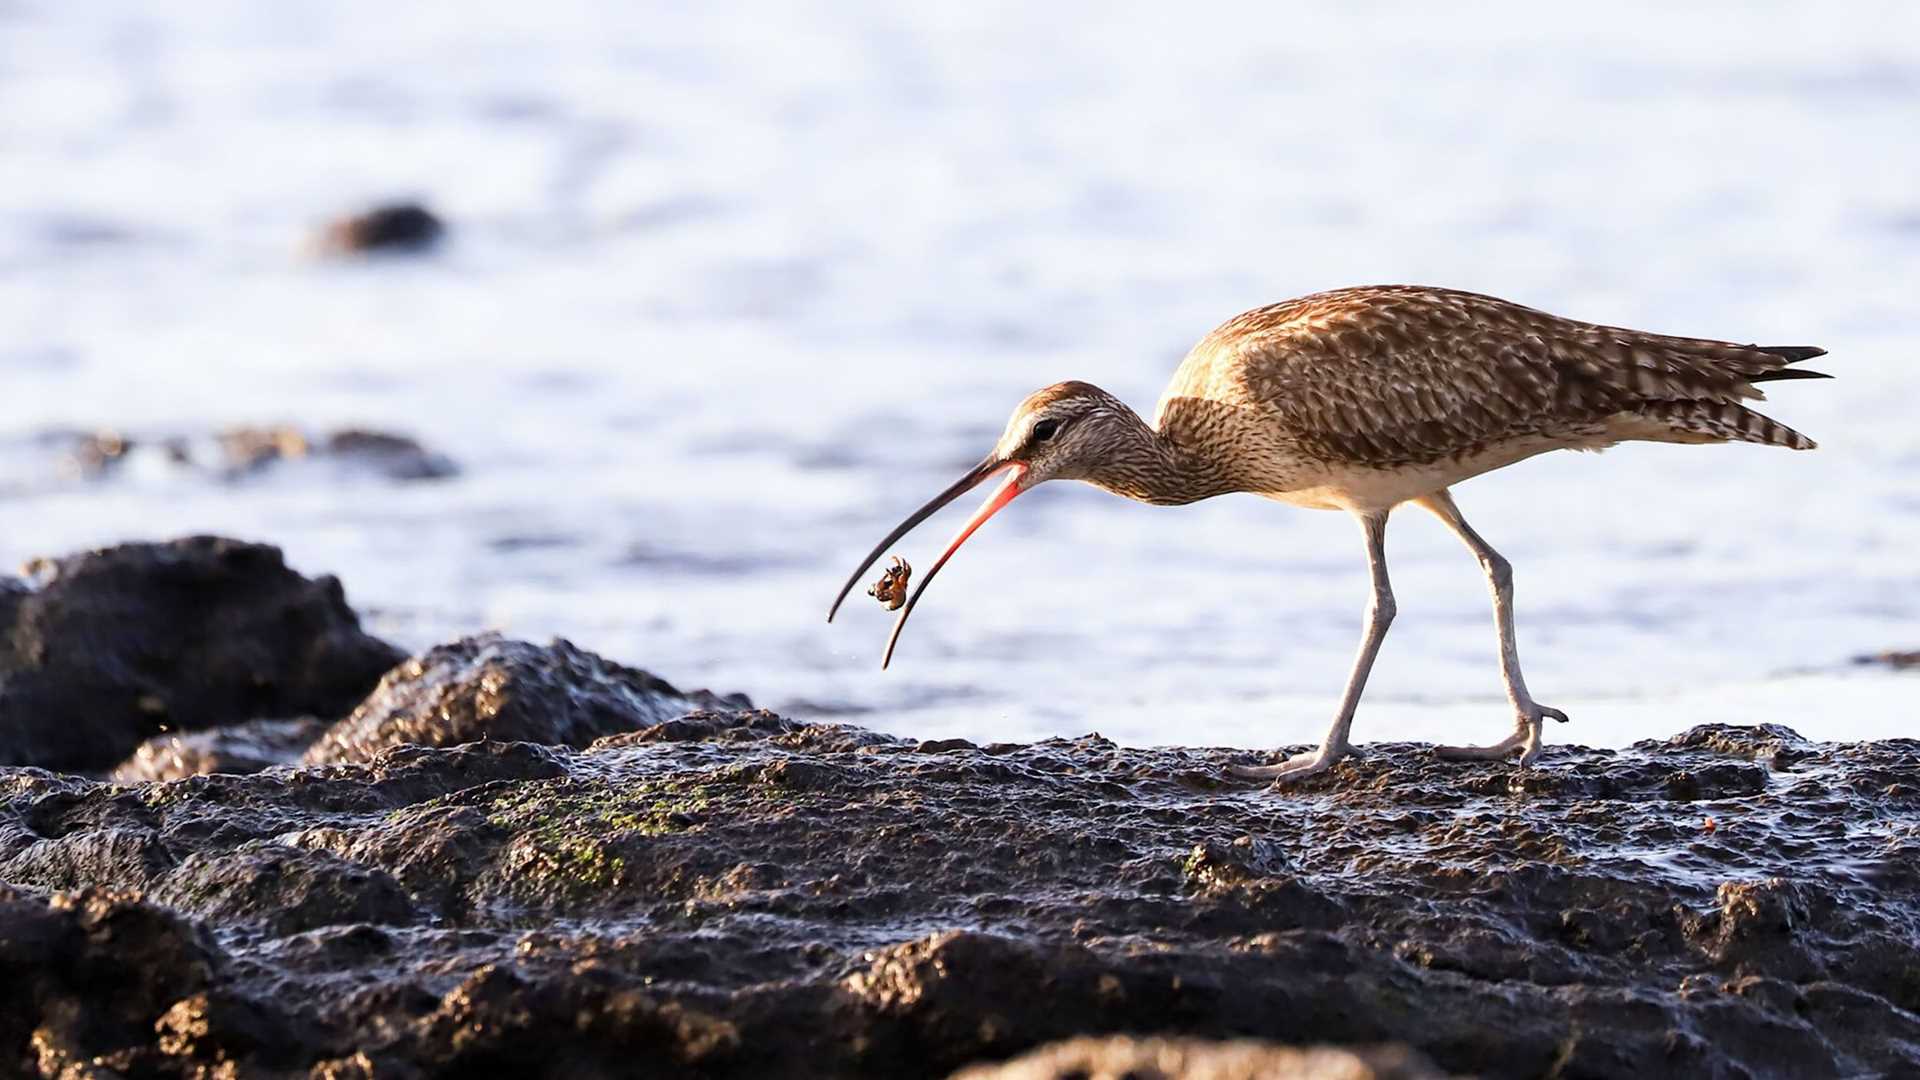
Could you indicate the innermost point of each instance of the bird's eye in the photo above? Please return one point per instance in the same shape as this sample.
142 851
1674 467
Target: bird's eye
1045 430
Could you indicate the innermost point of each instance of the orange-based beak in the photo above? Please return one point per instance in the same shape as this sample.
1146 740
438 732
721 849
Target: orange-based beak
1002 495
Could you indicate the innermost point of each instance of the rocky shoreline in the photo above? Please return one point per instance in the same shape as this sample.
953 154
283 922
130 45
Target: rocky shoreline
286 850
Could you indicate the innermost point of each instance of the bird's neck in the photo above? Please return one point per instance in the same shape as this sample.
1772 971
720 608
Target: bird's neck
1150 467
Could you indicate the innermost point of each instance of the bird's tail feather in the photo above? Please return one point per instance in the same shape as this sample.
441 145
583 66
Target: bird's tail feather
1788 373
1722 421
1791 354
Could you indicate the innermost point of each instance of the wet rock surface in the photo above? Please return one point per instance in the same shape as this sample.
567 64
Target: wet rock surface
236 453
104 650
237 748
728 892
89 974
398 227
1897 659
243 451
489 687
519 859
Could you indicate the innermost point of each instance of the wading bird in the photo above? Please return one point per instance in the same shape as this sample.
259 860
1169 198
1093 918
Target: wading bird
1363 399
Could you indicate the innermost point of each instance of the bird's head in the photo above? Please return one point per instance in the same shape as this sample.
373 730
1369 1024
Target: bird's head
1064 432
1060 432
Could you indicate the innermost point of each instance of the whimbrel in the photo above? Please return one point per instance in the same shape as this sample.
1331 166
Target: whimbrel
1367 398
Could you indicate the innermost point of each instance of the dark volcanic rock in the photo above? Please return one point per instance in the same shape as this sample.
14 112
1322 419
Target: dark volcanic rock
286 889
488 687
236 748
1894 658
247 450
87 976
119 855
397 457
730 893
118 645
399 227
88 453
236 453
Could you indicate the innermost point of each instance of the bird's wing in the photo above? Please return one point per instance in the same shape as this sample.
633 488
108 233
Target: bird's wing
1393 375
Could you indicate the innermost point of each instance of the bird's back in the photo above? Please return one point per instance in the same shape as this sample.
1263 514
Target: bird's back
1409 377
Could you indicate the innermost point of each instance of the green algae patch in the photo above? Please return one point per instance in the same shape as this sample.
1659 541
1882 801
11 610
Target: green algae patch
650 808
571 839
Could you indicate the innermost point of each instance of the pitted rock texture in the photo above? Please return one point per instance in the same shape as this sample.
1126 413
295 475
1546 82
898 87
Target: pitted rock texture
88 974
115 646
490 687
737 894
236 748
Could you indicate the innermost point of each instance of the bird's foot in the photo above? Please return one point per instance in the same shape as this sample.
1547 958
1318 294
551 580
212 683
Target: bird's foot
1297 767
1528 727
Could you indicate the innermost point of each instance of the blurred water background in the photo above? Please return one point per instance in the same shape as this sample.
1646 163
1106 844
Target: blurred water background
730 289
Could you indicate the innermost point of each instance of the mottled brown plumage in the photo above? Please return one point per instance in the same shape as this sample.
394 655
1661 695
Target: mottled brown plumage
1364 399
1430 380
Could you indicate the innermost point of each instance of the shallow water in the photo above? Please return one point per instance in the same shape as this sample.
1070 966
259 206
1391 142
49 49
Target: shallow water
728 294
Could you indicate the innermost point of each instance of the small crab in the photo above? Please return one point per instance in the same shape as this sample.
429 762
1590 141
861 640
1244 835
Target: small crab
891 589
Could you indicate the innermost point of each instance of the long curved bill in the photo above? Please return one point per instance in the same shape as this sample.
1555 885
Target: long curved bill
1002 495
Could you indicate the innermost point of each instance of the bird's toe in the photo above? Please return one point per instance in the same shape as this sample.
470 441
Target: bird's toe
1525 739
1257 772
1313 766
1495 752
1288 779
1312 761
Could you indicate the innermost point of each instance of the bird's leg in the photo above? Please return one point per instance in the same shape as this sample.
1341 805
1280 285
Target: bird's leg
1529 716
1380 611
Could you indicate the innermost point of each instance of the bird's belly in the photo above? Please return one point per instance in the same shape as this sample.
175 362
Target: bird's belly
1362 488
